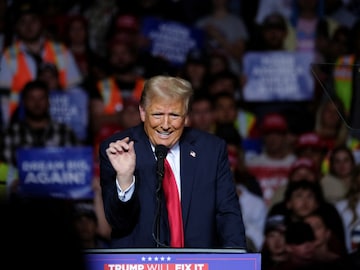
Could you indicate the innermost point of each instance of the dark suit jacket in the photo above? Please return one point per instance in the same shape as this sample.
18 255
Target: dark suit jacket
211 212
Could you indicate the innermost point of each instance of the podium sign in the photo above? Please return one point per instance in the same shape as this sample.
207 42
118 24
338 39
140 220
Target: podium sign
172 259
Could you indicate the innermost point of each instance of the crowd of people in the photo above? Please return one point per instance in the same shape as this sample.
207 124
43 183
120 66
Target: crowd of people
72 74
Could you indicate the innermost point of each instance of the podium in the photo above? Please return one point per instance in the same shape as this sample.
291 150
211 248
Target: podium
171 259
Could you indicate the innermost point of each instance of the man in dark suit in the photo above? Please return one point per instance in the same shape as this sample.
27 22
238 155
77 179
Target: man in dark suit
129 163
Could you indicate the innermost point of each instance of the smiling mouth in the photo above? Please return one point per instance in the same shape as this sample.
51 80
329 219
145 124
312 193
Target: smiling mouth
164 133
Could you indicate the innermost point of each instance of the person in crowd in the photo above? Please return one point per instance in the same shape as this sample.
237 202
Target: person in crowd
335 183
76 38
302 168
217 63
273 251
272 165
224 32
314 31
242 176
313 28
299 238
225 81
201 112
35 128
126 27
20 61
228 111
330 124
310 145
247 187
266 7
99 15
195 69
254 217
299 122
132 178
270 40
123 83
344 81
349 209
225 108
67 105
304 197
322 233
86 226
339 45
273 33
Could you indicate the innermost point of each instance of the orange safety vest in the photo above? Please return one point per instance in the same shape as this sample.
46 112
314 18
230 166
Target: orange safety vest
111 94
22 74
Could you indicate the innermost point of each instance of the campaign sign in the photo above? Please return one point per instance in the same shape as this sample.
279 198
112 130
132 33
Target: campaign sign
58 172
278 76
71 107
182 260
171 40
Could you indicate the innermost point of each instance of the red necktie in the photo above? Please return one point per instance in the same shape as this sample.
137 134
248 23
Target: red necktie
173 206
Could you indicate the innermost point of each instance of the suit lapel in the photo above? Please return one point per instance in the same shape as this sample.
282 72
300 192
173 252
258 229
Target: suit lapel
188 165
143 152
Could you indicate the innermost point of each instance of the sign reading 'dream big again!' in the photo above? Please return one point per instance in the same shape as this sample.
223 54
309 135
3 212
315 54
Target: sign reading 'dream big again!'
181 260
59 172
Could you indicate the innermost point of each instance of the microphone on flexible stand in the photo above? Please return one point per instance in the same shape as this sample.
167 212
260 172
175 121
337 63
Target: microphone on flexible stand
160 153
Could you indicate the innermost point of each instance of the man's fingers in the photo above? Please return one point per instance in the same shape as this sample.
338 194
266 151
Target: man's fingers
120 146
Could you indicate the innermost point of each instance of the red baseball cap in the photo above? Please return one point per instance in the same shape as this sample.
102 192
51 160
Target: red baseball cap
127 22
310 139
303 163
274 122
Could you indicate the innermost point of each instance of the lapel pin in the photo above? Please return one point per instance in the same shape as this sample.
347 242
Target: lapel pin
193 154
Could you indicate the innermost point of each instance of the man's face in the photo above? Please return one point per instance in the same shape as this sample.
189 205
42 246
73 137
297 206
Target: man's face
275 241
202 115
164 120
36 104
303 173
322 233
302 202
121 58
29 27
225 110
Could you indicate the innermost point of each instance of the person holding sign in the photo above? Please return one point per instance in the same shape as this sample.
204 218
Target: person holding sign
134 169
33 126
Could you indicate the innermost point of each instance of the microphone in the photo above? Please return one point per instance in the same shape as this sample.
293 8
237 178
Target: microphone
160 153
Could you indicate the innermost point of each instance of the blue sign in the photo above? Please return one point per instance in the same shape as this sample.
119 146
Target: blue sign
278 76
59 172
171 40
70 107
